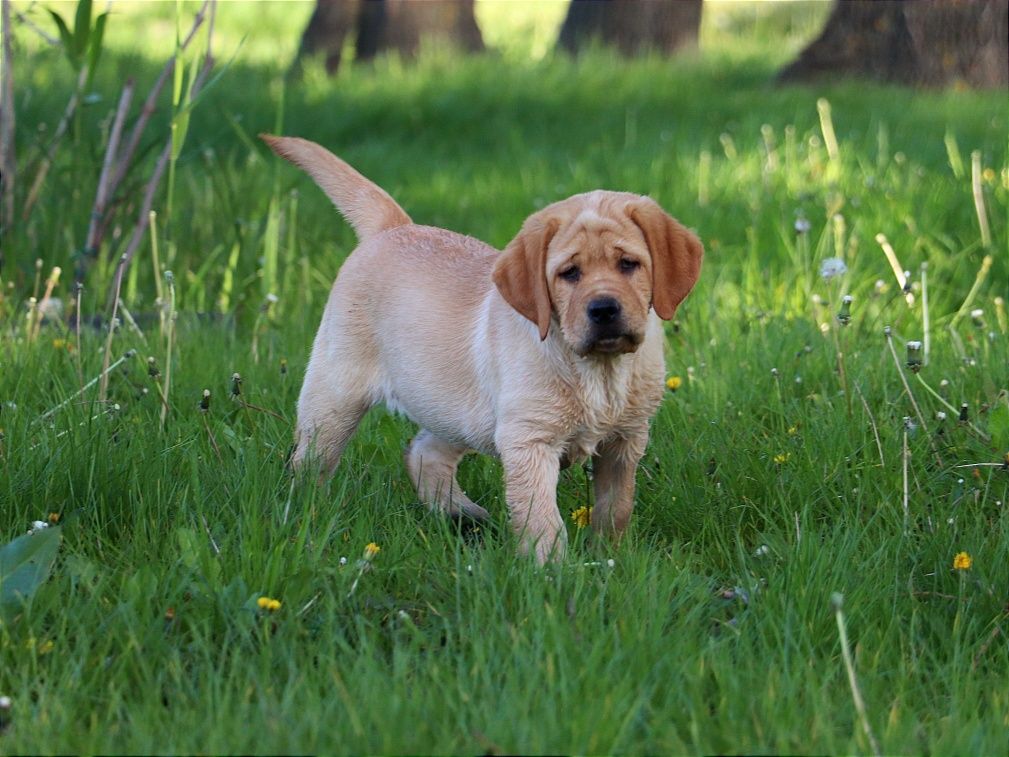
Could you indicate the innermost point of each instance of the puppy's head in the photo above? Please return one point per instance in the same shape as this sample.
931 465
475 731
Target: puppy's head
597 262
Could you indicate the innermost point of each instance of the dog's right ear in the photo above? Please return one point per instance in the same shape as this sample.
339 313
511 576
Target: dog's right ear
520 272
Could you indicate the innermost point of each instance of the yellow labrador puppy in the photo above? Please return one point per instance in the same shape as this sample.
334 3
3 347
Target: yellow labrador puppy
548 352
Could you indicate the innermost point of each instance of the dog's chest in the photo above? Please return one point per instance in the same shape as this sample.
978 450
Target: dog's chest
600 407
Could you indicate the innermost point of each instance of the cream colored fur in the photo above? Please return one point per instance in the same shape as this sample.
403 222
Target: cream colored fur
418 320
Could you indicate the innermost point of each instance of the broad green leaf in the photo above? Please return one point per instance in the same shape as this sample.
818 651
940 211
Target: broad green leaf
95 51
82 28
67 39
25 564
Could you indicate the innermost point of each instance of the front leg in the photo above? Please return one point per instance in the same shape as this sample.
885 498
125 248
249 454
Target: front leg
613 468
531 470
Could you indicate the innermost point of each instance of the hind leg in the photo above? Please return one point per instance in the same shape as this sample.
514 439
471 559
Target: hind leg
431 464
331 405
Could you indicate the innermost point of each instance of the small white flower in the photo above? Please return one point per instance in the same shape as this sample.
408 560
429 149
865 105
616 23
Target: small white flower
469 568
271 298
762 550
343 561
832 267
611 563
940 416
38 525
802 225
5 703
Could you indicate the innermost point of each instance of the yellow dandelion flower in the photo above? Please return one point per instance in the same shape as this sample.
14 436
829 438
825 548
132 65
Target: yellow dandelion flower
268 603
988 175
962 561
581 517
54 518
782 457
673 383
793 430
46 647
371 550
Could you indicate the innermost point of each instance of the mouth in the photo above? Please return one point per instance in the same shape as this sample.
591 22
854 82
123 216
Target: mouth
612 345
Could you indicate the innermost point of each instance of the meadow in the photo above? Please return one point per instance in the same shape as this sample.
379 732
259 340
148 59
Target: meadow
802 455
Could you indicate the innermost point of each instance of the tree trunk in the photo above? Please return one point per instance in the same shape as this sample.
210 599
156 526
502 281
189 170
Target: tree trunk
383 25
632 26
929 43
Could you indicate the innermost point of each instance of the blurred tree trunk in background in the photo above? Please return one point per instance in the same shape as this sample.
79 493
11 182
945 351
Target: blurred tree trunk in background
632 26
919 42
383 25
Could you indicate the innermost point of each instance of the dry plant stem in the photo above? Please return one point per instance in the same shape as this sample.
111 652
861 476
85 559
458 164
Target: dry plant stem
213 440
907 387
91 383
904 455
898 272
102 194
213 544
152 186
51 282
104 385
872 422
8 163
150 104
856 695
258 409
142 219
982 274
995 632
168 355
840 369
952 409
61 130
128 317
152 217
975 182
79 292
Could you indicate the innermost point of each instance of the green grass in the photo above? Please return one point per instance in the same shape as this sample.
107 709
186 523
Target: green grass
712 631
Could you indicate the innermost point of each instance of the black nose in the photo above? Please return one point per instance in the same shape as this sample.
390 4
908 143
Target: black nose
604 310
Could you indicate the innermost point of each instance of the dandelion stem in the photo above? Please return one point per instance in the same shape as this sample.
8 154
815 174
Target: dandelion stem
905 456
837 601
952 409
91 383
907 387
872 422
104 385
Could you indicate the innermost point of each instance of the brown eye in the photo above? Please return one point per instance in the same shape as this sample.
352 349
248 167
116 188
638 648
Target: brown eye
627 265
571 274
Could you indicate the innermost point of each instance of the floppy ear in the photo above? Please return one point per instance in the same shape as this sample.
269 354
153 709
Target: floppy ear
520 272
676 256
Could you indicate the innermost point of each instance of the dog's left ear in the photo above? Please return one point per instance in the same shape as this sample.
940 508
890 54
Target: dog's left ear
676 255
520 272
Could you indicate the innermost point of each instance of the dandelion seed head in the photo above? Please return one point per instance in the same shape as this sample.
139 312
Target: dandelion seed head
831 268
802 225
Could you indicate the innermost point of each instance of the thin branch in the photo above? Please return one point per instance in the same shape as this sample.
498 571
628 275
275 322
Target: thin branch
102 192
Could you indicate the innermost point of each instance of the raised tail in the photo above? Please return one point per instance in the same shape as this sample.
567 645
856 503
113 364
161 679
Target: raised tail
366 206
